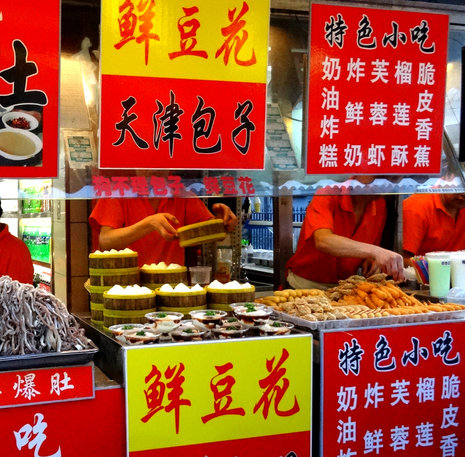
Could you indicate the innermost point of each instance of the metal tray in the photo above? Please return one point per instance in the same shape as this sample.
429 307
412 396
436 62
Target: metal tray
375 321
48 359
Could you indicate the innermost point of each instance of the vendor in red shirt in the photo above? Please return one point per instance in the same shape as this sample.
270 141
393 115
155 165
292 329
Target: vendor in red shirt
433 222
341 233
149 225
15 258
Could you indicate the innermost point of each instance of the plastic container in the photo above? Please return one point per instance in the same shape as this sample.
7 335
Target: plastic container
200 275
439 273
456 295
457 269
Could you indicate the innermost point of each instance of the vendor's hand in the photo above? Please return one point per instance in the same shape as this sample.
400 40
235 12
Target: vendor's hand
163 224
222 211
390 263
370 267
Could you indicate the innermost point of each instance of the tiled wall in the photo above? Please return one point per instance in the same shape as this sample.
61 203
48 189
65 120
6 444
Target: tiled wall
78 256
70 253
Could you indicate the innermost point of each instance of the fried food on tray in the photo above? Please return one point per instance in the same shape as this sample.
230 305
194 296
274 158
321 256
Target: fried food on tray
356 297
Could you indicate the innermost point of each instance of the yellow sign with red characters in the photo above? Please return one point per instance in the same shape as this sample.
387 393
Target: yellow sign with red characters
202 39
183 84
222 398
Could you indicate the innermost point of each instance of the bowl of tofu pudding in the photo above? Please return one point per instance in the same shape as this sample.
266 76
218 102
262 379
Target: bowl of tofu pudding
164 321
207 318
250 313
17 144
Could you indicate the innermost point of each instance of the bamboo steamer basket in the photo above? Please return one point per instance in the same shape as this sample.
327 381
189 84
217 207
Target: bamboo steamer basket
96 314
112 276
130 309
202 232
181 302
114 260
96 302
96 292
222 298
155 278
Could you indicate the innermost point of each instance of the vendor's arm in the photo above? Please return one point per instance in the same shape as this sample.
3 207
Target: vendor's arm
120 238
389 262
223 211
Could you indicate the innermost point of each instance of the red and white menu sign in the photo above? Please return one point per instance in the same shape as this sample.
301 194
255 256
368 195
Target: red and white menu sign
29 88
46 385
393 391
376 91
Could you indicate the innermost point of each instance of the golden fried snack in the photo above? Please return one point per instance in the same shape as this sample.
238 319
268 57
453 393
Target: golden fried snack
309 317
380 293
321 316
449 307
394 311
369 302
315 292
355 279
396 292
361 293
436 308
377 301
365 286
379 277
339 315
335 296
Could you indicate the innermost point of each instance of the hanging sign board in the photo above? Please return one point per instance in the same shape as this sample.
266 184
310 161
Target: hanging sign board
376 91
393 391
225 398
29 88
183 86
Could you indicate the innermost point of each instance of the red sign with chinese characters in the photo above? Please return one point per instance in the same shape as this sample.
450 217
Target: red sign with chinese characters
183 86
90 428
171 186
393 391
376 93
29 88
46 385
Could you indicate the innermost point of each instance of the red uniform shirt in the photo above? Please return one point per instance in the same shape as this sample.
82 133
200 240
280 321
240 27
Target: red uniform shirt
15 258
427 226
336 214
152 248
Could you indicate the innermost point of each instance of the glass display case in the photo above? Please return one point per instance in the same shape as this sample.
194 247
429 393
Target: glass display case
27 210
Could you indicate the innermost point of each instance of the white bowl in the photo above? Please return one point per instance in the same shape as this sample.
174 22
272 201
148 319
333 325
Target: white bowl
11 115
17 144
5 110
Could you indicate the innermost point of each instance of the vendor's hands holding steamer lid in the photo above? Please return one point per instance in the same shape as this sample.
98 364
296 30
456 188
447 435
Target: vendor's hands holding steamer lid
223 211
165 223
116 233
